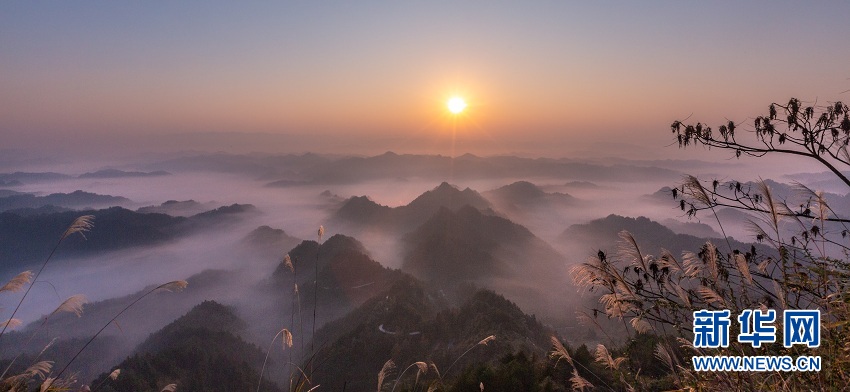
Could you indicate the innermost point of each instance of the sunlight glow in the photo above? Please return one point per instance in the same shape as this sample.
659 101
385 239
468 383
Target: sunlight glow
456 105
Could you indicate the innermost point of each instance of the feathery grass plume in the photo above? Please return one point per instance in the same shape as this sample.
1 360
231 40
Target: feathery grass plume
741 264
482 342
710 258
169 388
46 384
668 260
615 306
74 304
286 340
685 343
776 209
422 368
821 206
710 296
80 225
605 358
681 293
321 232
662 353
762 267
434 366
588 273
579 382
692 264
11 323
39 369
288 263
385 371
630 250
780 293
695 189
481 386
17 283
640 324
559 352
112 376
174 286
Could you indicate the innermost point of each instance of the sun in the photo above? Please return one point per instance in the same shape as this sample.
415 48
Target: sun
456 105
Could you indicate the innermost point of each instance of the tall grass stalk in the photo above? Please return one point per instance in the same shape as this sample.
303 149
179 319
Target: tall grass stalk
175 286
80 225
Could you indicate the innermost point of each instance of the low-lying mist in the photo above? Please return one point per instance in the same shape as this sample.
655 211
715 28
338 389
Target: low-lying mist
237 262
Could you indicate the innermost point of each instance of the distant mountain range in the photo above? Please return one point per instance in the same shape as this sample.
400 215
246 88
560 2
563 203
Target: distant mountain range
115 173
602 234
28 239
178 208
291 170
522 195
361 213
74 200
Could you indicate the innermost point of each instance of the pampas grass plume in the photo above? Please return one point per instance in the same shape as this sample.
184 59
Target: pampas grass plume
80 225
385 370
74 304
11 323
17 283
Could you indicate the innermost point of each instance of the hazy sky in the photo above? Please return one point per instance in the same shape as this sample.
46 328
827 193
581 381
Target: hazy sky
547 72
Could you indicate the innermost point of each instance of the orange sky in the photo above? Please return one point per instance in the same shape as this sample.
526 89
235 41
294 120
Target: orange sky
549 71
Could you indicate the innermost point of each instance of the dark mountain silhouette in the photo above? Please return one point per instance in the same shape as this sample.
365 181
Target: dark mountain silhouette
264 167
523 195
38 211
348 276
77 199
695 229
463 245
29 239
651 236
265 236
178 208
359 212
412 322
115 173
200 351
489 251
